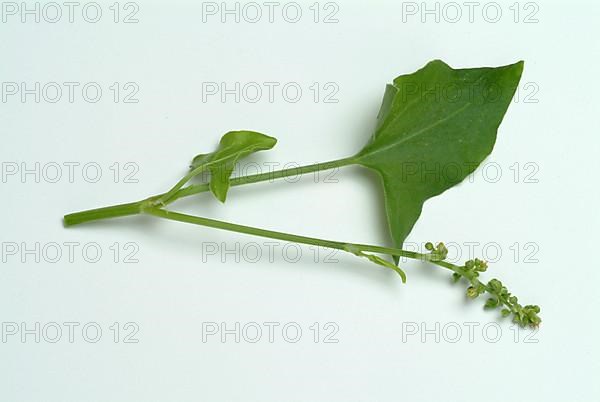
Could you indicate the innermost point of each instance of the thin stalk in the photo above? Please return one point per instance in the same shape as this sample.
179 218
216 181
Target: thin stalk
313 241
268 176
233 227
353 248
177 192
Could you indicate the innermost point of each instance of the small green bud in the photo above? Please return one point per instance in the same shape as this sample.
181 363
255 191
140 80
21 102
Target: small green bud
456 277
429 246
530 315
442 250
491 303
472 292
496 285
480 265
505 312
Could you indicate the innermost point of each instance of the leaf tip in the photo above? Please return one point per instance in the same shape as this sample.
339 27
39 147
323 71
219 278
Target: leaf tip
217 189
517 68
221 194
520 65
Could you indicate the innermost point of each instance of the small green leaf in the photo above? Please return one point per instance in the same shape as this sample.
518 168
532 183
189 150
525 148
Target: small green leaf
434 128
356 250
233 146
380 261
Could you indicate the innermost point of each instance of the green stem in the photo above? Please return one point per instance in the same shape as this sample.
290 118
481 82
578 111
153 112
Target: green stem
132 208
354 248
313 241
233 227
268 176
177 192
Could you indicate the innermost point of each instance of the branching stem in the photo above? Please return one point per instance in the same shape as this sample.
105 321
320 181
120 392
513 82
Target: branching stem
178 191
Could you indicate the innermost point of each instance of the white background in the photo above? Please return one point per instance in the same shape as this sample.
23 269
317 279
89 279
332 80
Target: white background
175 288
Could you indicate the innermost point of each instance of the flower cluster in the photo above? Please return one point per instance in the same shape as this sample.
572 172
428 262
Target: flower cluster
499 294
522 315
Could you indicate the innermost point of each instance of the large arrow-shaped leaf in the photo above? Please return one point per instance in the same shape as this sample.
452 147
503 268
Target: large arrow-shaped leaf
434 128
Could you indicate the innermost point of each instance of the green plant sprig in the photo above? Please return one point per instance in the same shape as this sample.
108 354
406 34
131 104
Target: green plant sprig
414 134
